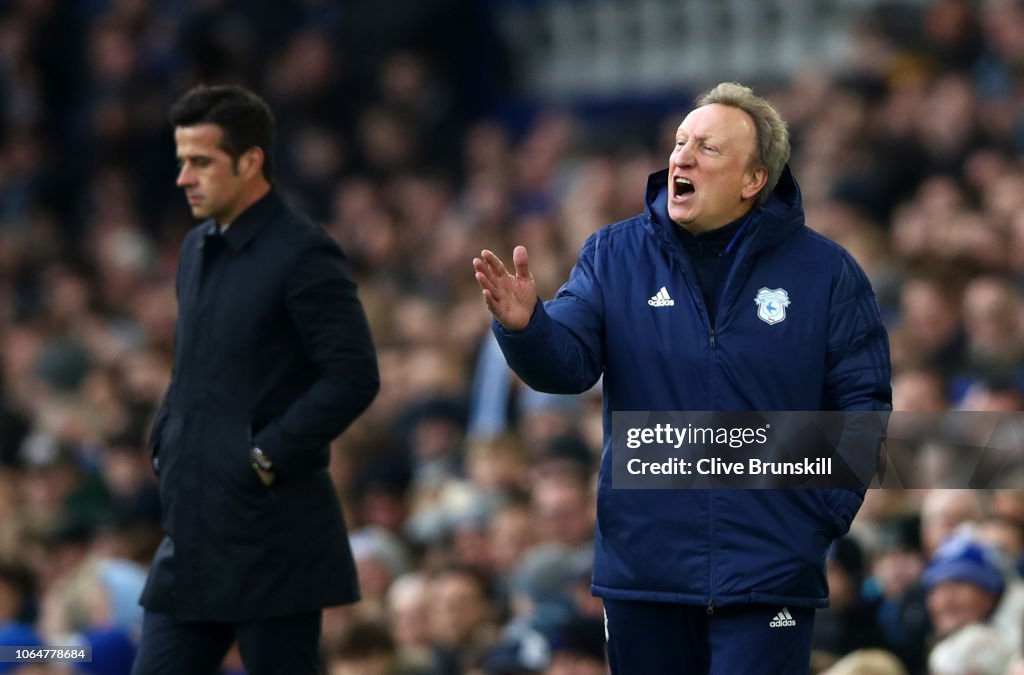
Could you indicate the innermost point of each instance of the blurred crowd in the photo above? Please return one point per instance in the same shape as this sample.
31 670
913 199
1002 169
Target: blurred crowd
469 497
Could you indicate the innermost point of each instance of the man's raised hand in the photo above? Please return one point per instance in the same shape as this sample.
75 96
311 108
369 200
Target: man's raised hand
510 298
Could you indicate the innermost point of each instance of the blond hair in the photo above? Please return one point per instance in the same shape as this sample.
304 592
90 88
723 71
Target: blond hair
772 136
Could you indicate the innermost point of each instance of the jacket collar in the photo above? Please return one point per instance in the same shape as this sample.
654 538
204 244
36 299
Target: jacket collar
251 221
769 224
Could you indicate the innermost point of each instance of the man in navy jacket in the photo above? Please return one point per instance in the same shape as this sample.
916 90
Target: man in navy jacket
717 297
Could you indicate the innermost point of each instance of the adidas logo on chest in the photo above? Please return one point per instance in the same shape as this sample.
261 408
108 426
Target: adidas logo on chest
661 299
783 619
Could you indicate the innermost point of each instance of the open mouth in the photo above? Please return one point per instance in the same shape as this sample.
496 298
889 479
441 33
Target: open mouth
682 187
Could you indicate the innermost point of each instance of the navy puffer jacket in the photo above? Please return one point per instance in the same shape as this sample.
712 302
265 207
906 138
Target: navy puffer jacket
825 350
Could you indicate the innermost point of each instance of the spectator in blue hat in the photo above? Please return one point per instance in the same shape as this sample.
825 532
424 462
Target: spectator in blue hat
964 584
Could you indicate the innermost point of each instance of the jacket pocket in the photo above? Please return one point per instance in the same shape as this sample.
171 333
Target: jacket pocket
839 508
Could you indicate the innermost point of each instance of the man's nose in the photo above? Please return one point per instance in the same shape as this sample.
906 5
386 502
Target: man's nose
185 177
684 155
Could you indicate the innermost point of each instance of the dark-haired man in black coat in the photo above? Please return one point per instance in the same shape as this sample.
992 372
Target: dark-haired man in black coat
273 359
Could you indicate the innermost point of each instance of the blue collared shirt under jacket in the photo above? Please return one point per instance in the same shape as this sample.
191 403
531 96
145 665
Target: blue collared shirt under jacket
825 350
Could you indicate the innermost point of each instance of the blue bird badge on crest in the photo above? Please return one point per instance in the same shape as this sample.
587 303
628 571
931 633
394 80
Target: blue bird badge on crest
772 304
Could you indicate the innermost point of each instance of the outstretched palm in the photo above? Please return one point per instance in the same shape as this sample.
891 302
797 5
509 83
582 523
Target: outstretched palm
509 297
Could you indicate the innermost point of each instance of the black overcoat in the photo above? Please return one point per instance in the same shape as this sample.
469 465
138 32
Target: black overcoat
272 349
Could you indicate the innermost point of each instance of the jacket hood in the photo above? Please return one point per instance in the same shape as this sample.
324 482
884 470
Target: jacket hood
771 223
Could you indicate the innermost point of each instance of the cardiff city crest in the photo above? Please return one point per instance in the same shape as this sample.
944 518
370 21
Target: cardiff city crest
772 304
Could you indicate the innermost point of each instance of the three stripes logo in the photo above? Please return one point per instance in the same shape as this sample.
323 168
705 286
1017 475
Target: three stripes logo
661 299
783 619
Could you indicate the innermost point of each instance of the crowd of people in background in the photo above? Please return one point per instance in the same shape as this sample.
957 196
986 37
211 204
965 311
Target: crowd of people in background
469 497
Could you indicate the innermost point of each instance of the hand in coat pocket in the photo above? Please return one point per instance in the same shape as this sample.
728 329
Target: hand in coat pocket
266 476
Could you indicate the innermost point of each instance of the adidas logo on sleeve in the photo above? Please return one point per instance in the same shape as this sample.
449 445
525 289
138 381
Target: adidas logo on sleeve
661 299
783 619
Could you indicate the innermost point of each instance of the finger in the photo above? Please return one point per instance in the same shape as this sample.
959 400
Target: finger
491 303
485 282
480 267
486 274
497 266
521 259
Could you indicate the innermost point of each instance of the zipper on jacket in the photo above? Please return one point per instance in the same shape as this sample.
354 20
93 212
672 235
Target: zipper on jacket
711 606
712 338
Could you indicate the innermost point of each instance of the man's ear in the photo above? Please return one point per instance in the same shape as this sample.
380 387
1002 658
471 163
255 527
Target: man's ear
252 161
755 181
